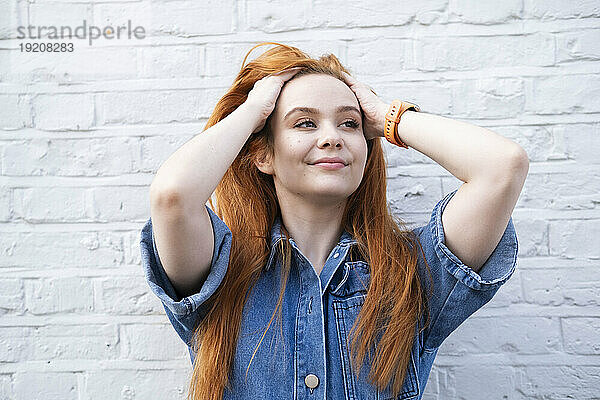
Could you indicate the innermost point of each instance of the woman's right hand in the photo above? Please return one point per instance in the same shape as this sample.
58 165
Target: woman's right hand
263 96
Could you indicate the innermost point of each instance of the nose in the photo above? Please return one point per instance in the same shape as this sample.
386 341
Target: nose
330 138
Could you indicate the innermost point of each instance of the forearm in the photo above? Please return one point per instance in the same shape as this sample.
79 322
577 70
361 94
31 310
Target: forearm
193 171
467 151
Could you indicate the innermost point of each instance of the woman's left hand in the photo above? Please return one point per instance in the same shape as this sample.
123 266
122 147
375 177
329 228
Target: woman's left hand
374 109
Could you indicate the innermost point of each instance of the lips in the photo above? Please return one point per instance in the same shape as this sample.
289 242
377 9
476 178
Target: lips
332 160
330 165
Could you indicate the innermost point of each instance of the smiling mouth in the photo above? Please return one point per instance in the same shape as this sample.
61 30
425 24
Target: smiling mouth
330 165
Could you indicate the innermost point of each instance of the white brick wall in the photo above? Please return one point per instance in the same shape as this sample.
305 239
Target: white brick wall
83 133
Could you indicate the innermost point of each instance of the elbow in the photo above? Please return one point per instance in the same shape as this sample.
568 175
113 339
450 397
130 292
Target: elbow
520 157
516 167
520 162
509 170
164 198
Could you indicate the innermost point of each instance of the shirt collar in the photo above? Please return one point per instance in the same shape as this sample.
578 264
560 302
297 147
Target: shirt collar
277 235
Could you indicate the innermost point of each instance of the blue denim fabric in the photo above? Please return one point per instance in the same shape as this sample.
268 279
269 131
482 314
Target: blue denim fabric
318 312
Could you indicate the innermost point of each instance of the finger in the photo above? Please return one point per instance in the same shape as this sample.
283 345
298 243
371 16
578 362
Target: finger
286 71
349 79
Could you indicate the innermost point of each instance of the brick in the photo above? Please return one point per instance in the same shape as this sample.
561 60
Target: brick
581 334
555 9
152 342
563 94
127 383
543 142
169 62
559 382
158 106
14 14
54 385
59 204
513 335
15 111
14 345
560 191
482 52
572 239
532 235
413 195
574 286
74 342
188 17
116 13
381 57
225 59
576 46
157 149
582 142
77 204
478 12
75 249
63 111
126 295
498 382
12 296
59 15
55 295
509 293
131 247
5 203
274 16
6 389
132 203
108 156
489 98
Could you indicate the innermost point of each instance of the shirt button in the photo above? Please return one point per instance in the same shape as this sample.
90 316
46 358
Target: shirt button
311 381
336 255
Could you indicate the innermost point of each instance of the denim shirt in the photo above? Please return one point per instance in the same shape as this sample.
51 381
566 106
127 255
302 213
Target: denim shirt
312 358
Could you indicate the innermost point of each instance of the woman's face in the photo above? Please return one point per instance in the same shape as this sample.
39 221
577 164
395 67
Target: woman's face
316 116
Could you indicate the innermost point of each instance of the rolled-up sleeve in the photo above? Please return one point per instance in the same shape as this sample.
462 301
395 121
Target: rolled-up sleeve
184 312
458 291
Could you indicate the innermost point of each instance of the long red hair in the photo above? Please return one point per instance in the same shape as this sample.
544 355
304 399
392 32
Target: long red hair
247 202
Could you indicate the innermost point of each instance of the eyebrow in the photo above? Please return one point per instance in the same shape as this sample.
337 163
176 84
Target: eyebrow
310 110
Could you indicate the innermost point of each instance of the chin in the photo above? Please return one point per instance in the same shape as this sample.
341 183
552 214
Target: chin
332 192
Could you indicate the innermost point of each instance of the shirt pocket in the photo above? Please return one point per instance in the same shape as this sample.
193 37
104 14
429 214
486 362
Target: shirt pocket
354 279
346 311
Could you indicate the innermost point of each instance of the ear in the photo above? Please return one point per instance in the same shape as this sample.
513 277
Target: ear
264 163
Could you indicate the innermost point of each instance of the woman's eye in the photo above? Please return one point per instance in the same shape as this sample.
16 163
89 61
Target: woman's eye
353 123
298 125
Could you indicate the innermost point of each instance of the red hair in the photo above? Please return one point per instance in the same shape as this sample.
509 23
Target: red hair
247 203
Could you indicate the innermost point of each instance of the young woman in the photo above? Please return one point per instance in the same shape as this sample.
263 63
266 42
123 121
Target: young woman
303 231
